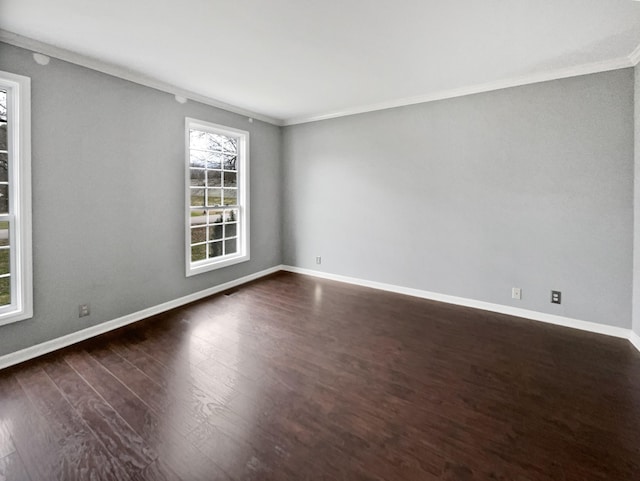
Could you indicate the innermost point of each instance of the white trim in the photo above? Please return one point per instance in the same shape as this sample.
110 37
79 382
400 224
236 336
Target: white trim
59 343
634 57
19 139
461 301
75 337
585 69
111 69
125 73
242 234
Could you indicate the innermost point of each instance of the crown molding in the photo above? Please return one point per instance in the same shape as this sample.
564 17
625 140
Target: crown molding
125 73
634 57
585 69
133 76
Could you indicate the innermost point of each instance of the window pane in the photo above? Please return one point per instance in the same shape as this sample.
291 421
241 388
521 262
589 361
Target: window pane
197 176
230 230
5 254
214 197
213 142
230 162
215 249
230 197
5 291
197 160
4 233
199 140
214 178
5 268
197 197
230 179
4 199
198 234
3 120
217 155
217 142
3 136
15 259
231 215
215 232
230 246
215 216
227 144
198 253
214 161
198 217
209 160
3 105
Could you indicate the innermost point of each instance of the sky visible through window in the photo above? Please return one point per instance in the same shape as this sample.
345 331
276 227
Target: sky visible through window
213 185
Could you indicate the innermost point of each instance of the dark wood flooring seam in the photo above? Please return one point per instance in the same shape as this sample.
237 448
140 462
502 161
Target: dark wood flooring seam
82 420
151 408
106 402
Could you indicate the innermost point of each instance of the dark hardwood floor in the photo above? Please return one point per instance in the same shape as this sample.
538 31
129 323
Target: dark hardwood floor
296 378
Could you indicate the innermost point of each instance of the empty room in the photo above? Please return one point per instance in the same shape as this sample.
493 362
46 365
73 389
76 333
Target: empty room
249 240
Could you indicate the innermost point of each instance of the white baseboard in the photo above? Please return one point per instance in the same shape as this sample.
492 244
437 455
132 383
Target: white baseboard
75 337
486 306
78 336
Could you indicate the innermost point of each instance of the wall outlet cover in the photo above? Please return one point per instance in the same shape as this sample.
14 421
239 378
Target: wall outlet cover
84 310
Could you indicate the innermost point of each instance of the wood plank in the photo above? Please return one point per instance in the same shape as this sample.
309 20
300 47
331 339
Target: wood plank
6 443
12 468
82 456
120 440
296 378
177 459
31 433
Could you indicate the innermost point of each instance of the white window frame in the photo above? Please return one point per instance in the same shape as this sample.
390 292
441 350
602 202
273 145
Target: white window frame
18 90
242 254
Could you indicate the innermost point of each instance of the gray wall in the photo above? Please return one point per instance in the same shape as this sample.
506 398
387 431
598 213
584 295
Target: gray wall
108 197
636 237
529 187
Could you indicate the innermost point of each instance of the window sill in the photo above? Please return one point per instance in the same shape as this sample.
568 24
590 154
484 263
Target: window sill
15 315
206 266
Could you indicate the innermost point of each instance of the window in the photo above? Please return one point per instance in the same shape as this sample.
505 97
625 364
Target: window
217 196
16 292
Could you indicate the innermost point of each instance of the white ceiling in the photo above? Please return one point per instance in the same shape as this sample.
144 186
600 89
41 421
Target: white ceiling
293 60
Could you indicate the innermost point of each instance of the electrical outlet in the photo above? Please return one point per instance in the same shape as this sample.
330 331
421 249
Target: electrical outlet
516 293
84 310
556 297
318 260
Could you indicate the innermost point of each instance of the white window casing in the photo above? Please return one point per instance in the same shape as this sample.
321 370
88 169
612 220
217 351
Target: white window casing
18 190
216 196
